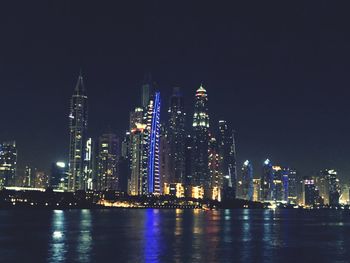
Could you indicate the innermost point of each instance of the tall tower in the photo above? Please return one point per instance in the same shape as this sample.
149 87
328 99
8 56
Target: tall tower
108 153
77 128
247 181
177 136
267 182
137 139
151 177
8 163
215 176
228 167
200 125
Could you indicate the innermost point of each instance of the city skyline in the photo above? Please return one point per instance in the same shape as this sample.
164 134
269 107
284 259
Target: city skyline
275 90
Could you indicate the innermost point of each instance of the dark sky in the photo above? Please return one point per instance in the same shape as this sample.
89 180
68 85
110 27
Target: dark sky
277 71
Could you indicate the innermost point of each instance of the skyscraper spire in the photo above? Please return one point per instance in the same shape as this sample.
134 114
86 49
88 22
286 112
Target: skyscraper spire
79 88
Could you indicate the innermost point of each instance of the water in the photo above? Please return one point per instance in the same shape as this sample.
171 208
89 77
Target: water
151 235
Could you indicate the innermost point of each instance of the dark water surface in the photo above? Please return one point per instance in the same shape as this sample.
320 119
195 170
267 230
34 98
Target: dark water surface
151 235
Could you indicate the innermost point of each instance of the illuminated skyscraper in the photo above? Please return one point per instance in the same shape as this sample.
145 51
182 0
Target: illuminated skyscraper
77 127
8 163
200 125
214 172
166 170
292 187
58 176
151 176
188 164
138 164
267 182
310 192
247 181
108 154
90 180
329 186
228 167
176 136
280 183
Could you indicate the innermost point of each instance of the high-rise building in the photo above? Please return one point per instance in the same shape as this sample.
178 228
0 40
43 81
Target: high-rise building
90 180
256 191
188 164
280 183
310 192
165 169
292 187
8 163
200 125
138 164
176 136
216 179
124 164
29 176
334 188
58 176
151 176
77 127
247 181
267 182
108 154
228 167
328 184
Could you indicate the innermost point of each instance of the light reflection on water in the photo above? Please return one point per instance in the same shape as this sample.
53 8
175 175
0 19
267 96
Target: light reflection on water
151 235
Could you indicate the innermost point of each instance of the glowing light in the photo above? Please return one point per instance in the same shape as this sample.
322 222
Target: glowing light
57 234
61 164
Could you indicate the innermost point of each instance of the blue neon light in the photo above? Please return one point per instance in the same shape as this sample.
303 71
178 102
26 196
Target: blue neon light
153 139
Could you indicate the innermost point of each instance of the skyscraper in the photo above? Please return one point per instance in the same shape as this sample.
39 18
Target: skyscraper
176 136
329 187
280 183
228 167
89 165
8 163
188 164
165 169
247 181
200 125
292 186
58 176
151 178
77 127
138 164
267 182
108 154
214 172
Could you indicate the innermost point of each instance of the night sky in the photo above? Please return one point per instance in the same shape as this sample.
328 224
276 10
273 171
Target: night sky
277 72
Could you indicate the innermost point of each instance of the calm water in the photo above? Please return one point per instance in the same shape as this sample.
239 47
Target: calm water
152 235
